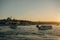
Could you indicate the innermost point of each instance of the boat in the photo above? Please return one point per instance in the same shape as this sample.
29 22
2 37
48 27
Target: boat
13 25
44 27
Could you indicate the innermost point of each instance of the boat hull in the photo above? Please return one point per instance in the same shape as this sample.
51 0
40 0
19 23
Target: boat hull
44 27
13 26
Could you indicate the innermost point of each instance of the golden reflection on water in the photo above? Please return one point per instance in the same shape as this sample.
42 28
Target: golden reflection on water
58 38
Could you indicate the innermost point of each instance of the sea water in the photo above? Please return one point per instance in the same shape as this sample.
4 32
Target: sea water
29 33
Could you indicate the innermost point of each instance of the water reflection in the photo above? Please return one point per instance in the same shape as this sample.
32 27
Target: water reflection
29 33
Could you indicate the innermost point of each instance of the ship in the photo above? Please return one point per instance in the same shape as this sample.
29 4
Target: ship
44 27
13 25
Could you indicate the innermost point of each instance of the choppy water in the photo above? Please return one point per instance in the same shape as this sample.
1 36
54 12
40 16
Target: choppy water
29 33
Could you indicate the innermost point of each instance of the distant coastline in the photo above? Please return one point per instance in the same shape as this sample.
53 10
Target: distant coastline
6 22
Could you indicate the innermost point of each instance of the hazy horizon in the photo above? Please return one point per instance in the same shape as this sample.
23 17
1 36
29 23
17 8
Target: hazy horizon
34 10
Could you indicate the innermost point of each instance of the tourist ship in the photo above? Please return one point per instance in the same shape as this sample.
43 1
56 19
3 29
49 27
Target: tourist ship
13 25
44 27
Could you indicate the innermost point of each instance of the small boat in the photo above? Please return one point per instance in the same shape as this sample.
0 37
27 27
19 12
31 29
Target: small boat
44 27
13 25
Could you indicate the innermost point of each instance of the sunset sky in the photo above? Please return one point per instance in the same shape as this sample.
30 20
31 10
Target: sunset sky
34 10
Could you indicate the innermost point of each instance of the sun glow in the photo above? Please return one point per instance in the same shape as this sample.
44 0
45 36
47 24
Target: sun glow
58 19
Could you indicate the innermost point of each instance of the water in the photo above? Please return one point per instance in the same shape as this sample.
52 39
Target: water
29 33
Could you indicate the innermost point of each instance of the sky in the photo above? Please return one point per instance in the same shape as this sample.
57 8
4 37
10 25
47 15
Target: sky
34 10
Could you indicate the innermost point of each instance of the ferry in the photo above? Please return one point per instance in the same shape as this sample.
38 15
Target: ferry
44 27
13 25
